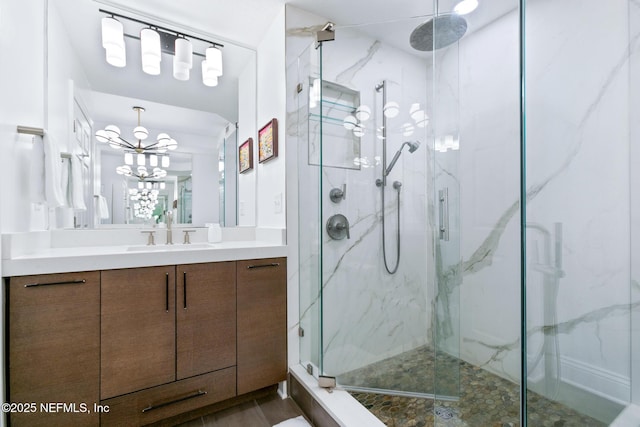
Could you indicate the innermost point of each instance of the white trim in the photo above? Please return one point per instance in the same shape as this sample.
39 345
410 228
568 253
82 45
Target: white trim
598 381
339 404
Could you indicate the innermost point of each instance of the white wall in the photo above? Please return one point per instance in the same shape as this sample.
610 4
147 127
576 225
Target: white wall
22 88
247 129
206 206
271 103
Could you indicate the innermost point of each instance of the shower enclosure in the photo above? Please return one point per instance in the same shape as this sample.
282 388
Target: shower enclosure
466 210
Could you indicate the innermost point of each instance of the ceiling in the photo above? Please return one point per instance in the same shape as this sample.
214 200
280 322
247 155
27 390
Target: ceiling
240 26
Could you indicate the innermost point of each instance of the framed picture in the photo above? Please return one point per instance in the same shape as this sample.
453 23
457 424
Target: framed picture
245 156
268 141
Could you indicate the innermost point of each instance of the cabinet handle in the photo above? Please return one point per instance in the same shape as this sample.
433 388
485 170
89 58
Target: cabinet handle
273 264
171 402
166 286
184 288
68 282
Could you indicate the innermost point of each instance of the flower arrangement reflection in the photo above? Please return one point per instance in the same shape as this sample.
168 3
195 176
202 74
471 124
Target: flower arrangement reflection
144 200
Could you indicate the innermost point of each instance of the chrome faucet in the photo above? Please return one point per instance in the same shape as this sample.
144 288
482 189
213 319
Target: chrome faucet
169 215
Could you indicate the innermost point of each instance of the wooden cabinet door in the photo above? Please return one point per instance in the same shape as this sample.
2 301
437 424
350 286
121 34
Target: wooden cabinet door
206 318
53 351
262 323
137 329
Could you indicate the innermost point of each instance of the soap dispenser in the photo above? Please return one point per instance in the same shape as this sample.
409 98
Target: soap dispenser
214 233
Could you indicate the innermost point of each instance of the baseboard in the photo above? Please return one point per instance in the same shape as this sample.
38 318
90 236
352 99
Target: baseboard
595 380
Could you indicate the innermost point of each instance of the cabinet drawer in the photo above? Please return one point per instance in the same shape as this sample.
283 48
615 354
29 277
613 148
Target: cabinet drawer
157 403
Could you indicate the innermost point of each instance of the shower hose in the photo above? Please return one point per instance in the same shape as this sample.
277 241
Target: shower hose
384 250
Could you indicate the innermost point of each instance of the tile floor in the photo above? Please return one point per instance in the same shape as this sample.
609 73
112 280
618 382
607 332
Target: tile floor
263 412
486 400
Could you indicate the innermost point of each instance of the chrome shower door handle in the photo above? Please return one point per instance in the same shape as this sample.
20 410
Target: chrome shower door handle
443 208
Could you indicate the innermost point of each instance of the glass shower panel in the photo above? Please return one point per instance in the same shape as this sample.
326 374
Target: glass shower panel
578 225
377 211
475 82
306 73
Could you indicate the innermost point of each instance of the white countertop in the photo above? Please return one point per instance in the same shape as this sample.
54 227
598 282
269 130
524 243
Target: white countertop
45 256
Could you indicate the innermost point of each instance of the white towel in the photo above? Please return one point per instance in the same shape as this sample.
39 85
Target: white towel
36 174
52 173
103 208
77 184
294 422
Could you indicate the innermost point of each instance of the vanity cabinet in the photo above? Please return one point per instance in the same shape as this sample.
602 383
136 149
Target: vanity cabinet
147 343
168 338
53 348
262 323
137 329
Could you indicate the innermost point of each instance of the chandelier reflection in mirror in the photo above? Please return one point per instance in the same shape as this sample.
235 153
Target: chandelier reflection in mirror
111 135
155 40
355 121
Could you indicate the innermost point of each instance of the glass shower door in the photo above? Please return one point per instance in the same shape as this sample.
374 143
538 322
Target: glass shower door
380 218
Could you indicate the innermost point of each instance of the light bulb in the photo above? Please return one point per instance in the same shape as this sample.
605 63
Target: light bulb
214 60
140 185
102 136
407 129
183 59
141 159
165 161
116 56
465 6
163 185
140 132
391 109
128 158
363 113
358 131
113 41
209 77
112 131
153 160
349 122
150 50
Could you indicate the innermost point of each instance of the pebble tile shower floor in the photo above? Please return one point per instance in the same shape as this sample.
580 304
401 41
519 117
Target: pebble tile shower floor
486 400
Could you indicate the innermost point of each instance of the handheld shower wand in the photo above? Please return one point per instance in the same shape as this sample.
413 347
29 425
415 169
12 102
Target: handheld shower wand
413 146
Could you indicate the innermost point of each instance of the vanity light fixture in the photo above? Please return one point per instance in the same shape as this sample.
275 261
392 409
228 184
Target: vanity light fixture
141 159
111 135
113 41
142 173
212 66
156 40
151 51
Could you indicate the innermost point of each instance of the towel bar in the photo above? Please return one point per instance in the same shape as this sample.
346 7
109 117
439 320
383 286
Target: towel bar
30 130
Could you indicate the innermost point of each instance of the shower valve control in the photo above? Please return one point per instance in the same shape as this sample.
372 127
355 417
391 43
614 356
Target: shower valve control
337 194
338 227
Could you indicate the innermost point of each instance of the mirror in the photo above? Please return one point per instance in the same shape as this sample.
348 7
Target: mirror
201 180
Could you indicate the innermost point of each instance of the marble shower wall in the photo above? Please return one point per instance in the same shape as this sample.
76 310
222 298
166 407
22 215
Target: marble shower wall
368 314
577 169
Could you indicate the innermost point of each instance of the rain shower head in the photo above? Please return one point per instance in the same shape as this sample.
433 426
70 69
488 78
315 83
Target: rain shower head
413 146
438 32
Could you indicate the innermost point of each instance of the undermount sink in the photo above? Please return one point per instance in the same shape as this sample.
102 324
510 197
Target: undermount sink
162 247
